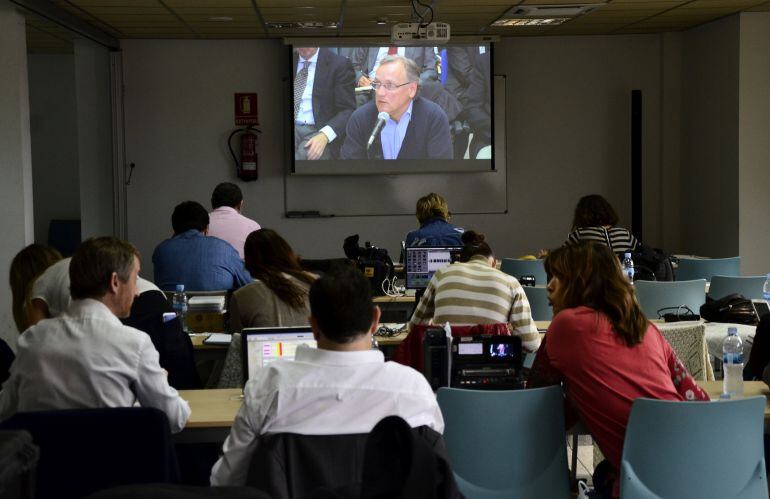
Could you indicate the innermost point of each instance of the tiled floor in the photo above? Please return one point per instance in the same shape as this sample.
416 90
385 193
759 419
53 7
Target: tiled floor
585 456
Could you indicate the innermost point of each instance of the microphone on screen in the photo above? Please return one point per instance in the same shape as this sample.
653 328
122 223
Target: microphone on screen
382 118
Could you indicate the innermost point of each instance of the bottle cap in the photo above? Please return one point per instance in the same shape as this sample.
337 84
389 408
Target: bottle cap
180 288
628 255
732 330
724 396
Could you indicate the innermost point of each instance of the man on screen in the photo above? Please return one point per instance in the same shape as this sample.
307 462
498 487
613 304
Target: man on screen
415 128
323 101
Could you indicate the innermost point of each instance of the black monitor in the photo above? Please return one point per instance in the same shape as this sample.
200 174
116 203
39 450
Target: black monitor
421 262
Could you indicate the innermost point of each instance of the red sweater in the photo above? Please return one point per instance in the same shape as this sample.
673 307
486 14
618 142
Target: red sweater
603 376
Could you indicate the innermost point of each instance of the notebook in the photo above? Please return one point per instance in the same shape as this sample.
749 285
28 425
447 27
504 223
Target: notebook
264 345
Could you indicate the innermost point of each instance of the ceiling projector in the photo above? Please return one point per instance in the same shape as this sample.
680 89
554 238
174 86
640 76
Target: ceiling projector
406 33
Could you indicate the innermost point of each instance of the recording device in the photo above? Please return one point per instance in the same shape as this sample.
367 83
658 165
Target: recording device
436 357
761 308
487 363
373 262
382 118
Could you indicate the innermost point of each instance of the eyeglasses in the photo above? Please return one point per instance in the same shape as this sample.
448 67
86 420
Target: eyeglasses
376 85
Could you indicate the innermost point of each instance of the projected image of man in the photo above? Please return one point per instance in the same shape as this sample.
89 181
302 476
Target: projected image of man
397 124
323 101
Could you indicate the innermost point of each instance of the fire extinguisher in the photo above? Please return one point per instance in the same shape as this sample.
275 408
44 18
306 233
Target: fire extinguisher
246 167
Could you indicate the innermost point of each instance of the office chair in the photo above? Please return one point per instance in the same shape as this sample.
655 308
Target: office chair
538 303
705 268
493 450
671 295
518 268
694 449
86 450
748 286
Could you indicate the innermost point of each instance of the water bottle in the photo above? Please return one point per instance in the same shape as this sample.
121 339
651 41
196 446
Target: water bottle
179 304
628 267
732 363
766 288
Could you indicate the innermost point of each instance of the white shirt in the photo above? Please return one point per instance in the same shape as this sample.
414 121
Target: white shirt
53 287
226 223
323 392
87 359
305 114
393 134
382 53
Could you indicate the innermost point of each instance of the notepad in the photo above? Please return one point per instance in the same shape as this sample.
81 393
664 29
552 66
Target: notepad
218 339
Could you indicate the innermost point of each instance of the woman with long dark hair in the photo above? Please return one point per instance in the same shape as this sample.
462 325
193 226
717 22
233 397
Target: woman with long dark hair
604 349
279 294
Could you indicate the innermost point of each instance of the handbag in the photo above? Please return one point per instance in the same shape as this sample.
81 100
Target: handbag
733 308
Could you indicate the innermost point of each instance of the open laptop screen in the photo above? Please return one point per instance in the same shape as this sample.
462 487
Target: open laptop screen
264 345
421 262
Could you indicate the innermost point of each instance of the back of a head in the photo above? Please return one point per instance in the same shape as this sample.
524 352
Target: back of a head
341 303
266 249
594 211
189 215
94 262
26 266
589 274
431 206
226 194
474 244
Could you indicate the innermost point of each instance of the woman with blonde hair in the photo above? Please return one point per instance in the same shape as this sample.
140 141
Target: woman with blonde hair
604 350
432 213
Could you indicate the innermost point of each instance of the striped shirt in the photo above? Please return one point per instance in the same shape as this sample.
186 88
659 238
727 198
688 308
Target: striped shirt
618 239
475 293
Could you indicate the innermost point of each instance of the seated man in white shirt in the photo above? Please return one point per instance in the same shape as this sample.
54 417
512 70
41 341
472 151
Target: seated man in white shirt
86 358
227 221
341 387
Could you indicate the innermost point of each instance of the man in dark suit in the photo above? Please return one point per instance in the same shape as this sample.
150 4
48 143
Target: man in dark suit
323 101
366 60
416 128
478 105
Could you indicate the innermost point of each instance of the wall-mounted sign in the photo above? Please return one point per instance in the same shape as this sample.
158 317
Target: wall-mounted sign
246 109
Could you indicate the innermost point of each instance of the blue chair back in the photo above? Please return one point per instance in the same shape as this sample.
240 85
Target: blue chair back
538 302
494 449
694 449
518 268
655 295
750 286
705 268
85 450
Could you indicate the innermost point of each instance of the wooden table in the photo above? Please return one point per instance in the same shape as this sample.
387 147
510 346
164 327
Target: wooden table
212 414
750 389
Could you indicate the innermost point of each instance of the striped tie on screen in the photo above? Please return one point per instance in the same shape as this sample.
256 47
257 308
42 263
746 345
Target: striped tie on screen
300 82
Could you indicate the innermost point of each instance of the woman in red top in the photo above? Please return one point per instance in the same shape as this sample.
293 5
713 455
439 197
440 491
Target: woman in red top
604 350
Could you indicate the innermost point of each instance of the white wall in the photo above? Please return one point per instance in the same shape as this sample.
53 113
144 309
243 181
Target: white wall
754 143
53 127
94 134
709 173
15 161
567 136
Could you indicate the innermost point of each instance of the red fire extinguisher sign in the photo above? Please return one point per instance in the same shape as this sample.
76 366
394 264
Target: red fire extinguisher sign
246 109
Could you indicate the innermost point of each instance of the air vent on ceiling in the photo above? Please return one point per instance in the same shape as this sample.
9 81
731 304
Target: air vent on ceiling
301 25
544 15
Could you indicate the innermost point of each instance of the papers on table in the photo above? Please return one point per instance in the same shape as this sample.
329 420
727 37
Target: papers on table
206 303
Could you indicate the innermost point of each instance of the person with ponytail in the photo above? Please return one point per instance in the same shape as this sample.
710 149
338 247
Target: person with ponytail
473 291
604 350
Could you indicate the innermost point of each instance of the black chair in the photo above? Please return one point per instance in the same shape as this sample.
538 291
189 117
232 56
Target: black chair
393 461
86 450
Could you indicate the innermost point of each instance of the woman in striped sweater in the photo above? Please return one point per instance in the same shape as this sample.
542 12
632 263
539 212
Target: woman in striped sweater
473 291
595 220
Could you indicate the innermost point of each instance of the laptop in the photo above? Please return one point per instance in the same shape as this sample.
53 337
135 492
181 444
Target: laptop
761 308
421 262
263 345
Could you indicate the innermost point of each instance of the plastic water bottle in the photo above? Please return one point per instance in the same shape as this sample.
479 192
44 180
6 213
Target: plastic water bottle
179 304
628 267
766 288
732 363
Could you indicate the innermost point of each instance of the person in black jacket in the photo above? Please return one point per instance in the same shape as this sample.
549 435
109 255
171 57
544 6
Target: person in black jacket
324 99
